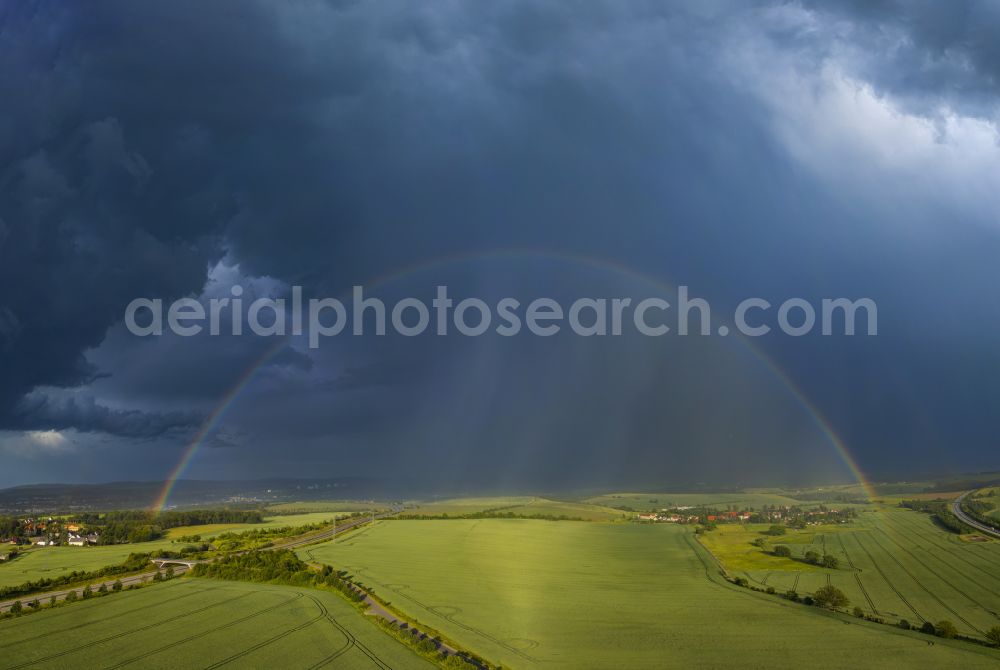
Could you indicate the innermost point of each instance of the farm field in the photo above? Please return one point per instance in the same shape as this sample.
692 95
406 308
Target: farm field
894 563
208 531
655 501
538 594
523 505
458 506
310 506
202 623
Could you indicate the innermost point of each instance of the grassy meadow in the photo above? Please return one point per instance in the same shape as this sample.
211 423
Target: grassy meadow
537 594
207 624
51 562
40 562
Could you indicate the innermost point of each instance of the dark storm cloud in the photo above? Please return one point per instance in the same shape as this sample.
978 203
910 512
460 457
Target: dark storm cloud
38 411
333 143
927 53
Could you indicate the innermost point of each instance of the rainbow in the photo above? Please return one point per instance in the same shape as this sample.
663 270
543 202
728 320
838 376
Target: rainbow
212 420
218 412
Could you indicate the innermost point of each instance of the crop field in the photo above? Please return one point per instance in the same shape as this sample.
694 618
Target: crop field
655 501
459 506
310 506
519 505
211 530
205 624
894 563
538 594
573 510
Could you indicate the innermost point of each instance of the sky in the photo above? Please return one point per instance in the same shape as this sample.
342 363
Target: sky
528 149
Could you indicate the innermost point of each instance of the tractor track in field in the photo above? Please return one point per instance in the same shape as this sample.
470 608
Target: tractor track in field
885 578
795 584
948 565
323 614
116 636
927 590
203 633
908 528
857 575
91 622
352 644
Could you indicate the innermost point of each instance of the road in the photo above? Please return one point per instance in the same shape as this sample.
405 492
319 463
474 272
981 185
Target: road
61 595
956 509
180 569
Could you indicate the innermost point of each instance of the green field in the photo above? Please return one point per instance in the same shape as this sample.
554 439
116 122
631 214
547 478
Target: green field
459 506
894 563
657 501
211 530
517 505
190 623
345 506
40 562
731 544
537 594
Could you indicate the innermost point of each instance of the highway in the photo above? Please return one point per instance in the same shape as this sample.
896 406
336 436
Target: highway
956 509
182 566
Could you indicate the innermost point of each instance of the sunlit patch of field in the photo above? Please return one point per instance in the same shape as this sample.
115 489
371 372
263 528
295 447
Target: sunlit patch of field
896 564
190 623
541 594
732 544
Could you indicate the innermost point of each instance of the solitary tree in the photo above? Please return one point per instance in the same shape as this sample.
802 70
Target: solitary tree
71 596
993 635
782 550
16 607
103 588
87 591
830 561
858 612
830 596
117 586
904 624
928 628
946 629
812 557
